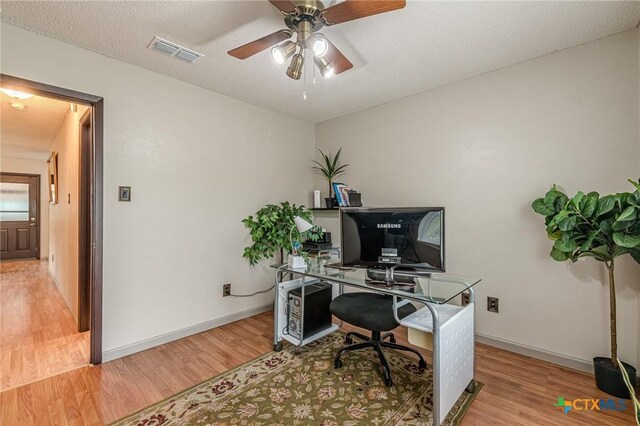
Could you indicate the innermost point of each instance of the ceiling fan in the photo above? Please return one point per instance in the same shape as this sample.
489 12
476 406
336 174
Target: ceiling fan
305 18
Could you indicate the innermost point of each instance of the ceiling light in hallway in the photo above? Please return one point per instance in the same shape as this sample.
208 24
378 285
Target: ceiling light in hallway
16 94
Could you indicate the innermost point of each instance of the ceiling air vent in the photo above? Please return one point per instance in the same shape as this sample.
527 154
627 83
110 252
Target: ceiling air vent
187 55
171 49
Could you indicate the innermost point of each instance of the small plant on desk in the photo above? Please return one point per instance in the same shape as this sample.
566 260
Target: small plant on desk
270 230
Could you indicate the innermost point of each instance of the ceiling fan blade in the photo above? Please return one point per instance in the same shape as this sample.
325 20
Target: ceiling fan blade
256 46
286 6
338 60
349 10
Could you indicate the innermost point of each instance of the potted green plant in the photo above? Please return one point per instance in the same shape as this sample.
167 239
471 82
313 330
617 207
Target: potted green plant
603 228
271 228
331 169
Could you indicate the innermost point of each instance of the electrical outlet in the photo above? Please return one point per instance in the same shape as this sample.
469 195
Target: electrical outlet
465 299
492 304
226 290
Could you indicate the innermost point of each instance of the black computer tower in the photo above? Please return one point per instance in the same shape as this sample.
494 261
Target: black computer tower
317 316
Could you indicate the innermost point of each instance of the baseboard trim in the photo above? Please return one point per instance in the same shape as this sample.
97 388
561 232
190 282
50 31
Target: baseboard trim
121 351
57 284
541 354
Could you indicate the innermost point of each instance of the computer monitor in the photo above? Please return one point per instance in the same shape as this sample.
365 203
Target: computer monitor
400 237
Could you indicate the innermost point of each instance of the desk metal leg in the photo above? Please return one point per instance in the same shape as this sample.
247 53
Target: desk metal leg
436 365
472 300
277 343
302 311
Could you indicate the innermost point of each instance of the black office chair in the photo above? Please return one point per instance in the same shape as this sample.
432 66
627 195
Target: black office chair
373 312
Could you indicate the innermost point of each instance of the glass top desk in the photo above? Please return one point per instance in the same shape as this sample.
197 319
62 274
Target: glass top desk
439 323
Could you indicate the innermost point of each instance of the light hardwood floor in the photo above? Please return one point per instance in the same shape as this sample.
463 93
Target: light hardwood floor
38 334
518 390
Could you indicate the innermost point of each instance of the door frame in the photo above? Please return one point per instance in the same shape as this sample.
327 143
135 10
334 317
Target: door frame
94 240
84 198
38 205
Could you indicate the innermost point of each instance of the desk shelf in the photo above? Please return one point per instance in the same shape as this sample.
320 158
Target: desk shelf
423 321
316 336
284 287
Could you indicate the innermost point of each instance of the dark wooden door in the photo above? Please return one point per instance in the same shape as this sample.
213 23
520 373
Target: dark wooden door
19 221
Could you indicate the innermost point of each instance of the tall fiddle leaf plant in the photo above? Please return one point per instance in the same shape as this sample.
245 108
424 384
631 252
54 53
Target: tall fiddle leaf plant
270 228
588 225
330 167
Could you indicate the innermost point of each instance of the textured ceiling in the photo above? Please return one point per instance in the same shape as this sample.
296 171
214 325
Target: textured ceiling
30 132
425 45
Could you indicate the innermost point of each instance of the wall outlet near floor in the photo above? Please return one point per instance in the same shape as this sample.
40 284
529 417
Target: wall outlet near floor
465 299
492 304
226 290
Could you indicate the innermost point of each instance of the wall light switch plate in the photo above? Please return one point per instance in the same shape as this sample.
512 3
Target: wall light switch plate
124 193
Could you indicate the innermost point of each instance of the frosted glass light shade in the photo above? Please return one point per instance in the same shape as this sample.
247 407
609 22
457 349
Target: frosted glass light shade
283 52
318 44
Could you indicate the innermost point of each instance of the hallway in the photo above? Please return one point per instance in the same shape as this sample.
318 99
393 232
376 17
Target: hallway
38 334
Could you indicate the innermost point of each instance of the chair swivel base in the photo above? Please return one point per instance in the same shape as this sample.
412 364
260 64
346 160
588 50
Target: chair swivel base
377 342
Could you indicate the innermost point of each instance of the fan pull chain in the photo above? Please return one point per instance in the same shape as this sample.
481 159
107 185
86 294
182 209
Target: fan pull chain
304 76
314 73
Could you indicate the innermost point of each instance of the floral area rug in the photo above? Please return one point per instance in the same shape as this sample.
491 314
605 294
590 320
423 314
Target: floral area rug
299 386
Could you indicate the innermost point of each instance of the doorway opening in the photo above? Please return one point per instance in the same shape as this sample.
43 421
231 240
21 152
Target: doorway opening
50 230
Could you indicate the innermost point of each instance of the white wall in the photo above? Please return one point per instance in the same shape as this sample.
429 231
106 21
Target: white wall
63 216
33 167
485 148
197 161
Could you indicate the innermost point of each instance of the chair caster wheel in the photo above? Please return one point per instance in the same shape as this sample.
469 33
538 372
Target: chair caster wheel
277 347
388 382
348 340
471 387
422 365
337 363
392 339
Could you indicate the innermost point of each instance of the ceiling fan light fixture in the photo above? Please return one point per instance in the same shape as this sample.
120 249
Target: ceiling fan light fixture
318 44
295 68
283 51
326 67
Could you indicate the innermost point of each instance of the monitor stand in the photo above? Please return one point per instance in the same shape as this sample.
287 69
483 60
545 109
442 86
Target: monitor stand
395 274
375 275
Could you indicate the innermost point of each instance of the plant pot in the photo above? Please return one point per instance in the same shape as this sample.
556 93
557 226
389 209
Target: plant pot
330 202
610 380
